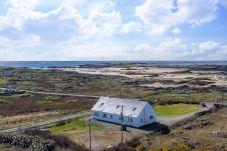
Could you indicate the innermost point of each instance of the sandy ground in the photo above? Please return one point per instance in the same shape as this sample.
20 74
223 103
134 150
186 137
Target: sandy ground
160 85
109 136
138 72
215 77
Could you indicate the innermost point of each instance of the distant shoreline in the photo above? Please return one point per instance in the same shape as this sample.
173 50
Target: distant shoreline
71 64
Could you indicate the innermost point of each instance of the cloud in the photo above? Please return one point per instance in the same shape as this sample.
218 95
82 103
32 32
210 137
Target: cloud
59 24
176 49
27 33
131 27
211 50
161 15
172 49
83 30
22 4
176 30
106 24
95 51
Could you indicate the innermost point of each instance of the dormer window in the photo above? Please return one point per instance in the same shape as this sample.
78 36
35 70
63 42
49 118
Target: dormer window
118 106
101 104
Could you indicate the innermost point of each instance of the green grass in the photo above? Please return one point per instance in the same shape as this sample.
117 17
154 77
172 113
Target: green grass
3 81
176 109
187 97
73 127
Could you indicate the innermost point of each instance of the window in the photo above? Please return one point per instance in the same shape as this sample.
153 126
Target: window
96 114
134 109
131 120
141 120
104 115
101 104
118 106
120 117
151 117
111 116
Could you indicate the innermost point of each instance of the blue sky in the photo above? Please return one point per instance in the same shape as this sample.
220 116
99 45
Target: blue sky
113 30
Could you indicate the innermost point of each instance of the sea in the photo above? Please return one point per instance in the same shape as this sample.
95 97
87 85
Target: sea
48 64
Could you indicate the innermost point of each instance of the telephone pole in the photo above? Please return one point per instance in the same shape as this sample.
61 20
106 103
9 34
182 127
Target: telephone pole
89 133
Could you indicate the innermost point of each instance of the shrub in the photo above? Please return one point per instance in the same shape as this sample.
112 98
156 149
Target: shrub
33 143
61 123
60 140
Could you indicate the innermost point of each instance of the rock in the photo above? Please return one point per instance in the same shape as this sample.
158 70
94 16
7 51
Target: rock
222 134
188 127
192 142
206 123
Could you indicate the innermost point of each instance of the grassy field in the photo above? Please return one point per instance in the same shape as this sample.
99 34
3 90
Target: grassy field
199 97
76 126
176 109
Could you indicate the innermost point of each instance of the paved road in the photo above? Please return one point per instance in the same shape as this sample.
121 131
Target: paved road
52 93
46 122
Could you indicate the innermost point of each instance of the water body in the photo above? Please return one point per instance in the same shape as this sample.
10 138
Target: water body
46 64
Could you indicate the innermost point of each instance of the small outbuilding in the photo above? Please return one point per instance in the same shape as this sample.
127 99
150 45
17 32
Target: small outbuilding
136 113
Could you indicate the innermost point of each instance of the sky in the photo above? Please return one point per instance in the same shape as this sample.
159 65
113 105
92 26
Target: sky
104 30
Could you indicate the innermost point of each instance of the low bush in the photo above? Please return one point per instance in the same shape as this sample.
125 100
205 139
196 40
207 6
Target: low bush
60 140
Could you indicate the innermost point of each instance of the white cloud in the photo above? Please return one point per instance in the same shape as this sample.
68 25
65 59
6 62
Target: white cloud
176 49
57 3
106 24
63 30
131 27
26 31
176 30
211 50
208 46
161 15
143 47
22 4
172 49
62 23
95 51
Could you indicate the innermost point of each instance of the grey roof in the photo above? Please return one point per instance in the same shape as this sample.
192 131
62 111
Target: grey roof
132 108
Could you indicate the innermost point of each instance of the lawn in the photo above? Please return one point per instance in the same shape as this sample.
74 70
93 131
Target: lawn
176 109
74 127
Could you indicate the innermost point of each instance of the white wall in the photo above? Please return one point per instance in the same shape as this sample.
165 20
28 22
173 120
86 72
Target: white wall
130 121
115 118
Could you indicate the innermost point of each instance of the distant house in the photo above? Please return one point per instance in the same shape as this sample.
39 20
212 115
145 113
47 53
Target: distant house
136 113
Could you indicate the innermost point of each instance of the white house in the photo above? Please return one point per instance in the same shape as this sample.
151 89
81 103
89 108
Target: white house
136 113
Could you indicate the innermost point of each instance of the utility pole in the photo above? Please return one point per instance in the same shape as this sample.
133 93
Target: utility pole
89 133
122 123
222 96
